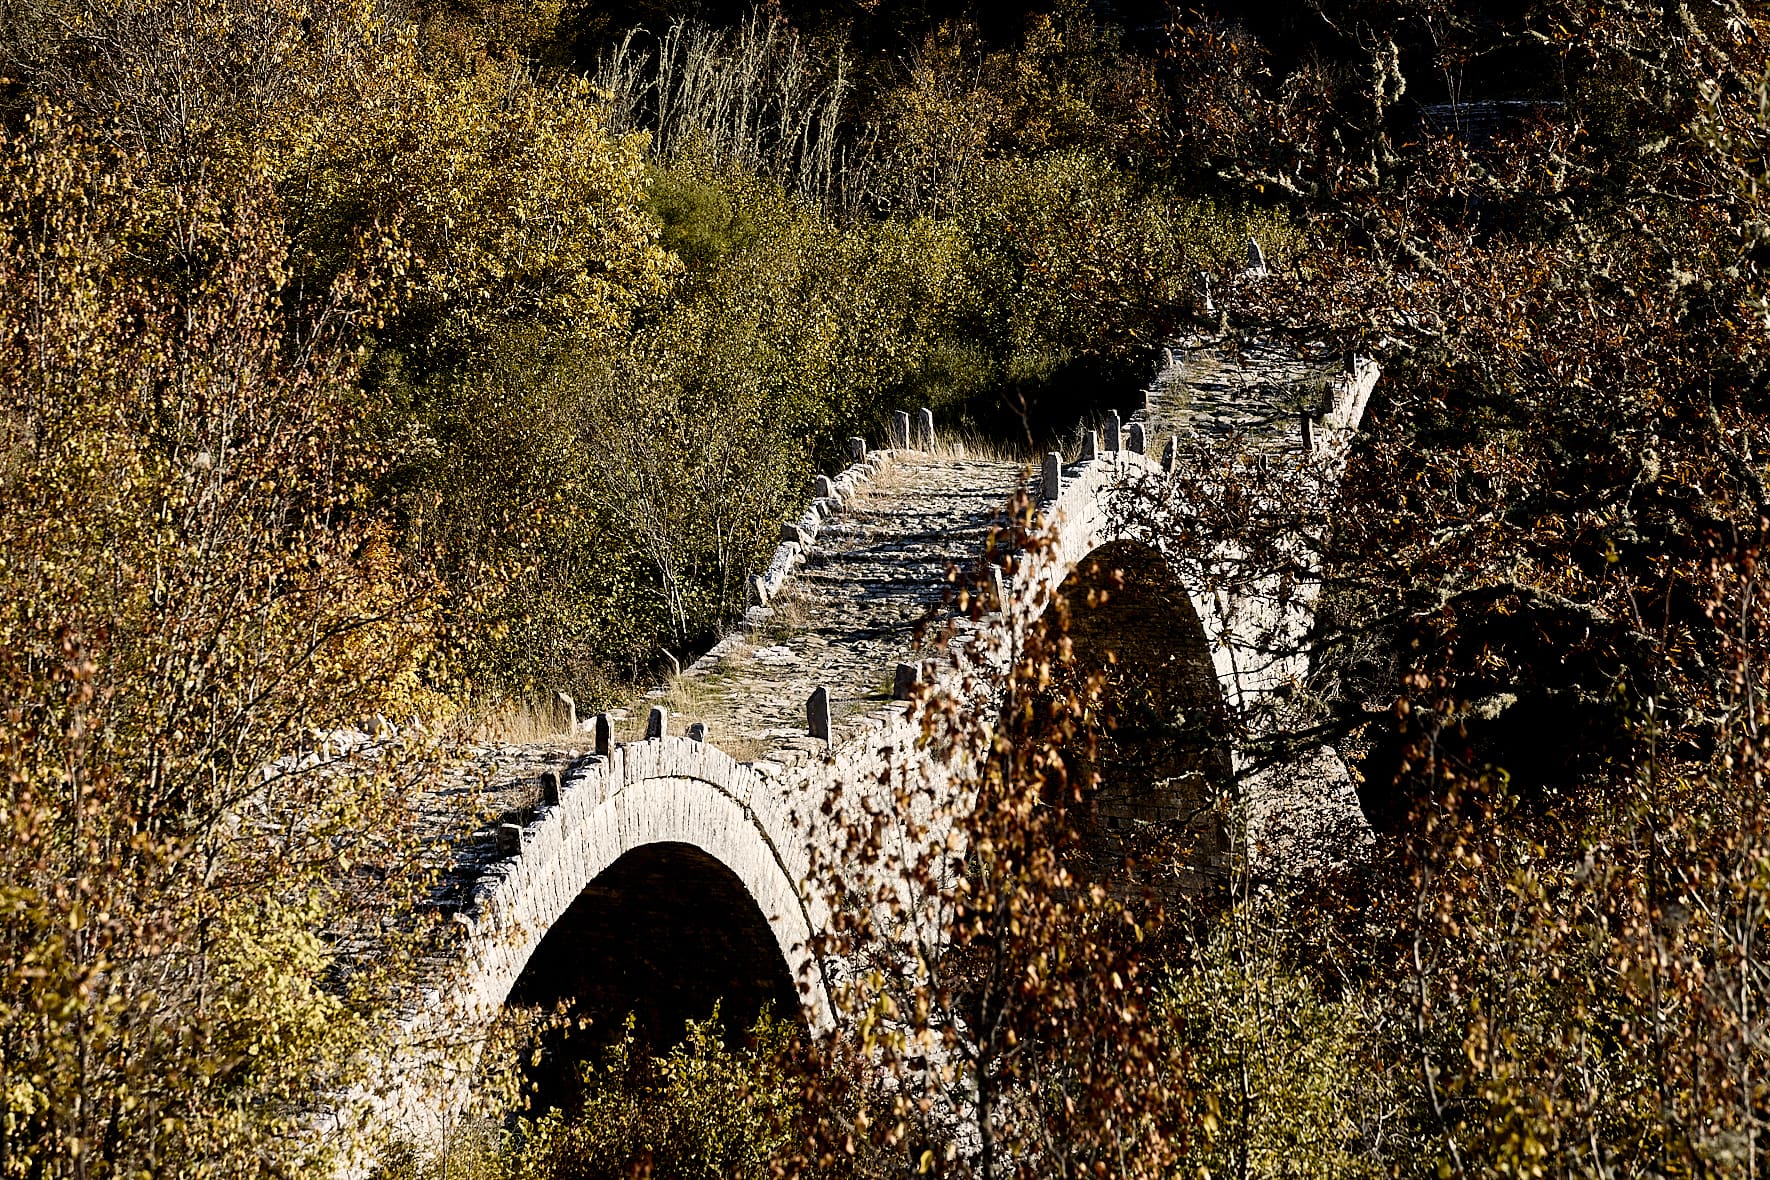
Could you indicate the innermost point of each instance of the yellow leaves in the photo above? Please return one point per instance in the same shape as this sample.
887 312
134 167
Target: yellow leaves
183 550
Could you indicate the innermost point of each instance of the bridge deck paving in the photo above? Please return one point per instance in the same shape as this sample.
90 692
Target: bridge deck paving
851 613
1257 391
876 573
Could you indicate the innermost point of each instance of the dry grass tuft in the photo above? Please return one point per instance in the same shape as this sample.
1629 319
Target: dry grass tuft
970 445
511 723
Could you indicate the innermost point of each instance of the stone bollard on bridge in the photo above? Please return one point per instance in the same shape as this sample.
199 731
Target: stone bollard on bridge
925 429
903 682
605 733
1138 439
657 723
857 449
817 713
1170 454
550 787
1256 259
900 430
697 732
1115 431
565 713
1051 478
1090 446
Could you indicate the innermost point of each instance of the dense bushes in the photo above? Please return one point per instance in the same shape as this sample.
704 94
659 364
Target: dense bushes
700 1111
190 587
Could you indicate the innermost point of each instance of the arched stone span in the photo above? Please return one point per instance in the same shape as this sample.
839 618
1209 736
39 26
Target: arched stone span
664 792
665 935
1084 519
661 792
1300 808
1131 621
1159 769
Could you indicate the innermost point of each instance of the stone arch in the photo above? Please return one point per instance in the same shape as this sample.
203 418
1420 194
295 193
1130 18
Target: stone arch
1300 808
1086 516
1164 762
719 816
738 826
1173 659
664 935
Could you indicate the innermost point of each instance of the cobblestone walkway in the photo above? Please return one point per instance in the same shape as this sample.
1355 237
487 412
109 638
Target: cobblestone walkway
878 570
875 572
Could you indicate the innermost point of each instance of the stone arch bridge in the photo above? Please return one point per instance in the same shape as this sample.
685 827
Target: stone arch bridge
682 859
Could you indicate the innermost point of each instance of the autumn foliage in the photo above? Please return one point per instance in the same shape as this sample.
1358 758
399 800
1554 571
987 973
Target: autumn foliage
363 367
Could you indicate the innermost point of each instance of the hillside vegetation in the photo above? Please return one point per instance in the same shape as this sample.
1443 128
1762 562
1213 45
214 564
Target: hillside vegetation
405 361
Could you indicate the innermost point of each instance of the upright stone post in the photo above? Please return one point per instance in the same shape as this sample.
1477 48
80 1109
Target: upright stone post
565 713
550 787
824 488
900 430
817 713
1115 431
697 732
999 585
925 429
1138 439
1090 446
758 590
657 723
605 733
857 449
1170 454
509 840
1256 259
1308 434
1051 479
1204 283
903 682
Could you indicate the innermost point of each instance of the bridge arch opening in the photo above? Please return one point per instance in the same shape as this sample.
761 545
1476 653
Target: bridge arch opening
1164 759
664 933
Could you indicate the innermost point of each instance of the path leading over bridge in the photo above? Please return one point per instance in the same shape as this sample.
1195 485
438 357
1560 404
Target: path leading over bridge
670 860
